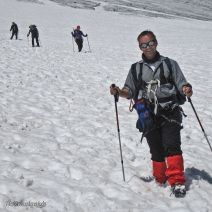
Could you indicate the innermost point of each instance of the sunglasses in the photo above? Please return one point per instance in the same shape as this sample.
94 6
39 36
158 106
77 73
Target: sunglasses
146 45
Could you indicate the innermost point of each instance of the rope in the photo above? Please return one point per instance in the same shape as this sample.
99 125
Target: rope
150 90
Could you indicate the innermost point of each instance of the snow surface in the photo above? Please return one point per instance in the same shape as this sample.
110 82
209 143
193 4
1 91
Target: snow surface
59 142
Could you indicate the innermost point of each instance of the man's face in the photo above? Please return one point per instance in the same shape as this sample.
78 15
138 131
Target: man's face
148 46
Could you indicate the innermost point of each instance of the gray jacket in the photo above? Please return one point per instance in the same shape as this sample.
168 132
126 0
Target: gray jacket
166 91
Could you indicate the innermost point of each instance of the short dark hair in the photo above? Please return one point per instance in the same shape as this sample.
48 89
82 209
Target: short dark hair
146 32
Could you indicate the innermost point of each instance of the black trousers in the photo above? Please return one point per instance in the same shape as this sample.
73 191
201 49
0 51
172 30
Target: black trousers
79 43
165 140
14 33
37 41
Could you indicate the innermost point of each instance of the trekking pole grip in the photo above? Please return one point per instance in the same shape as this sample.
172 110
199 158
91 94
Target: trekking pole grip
116 96
189 99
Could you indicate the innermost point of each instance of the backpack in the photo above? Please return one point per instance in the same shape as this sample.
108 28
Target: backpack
15 28
78 34
34 31
139 83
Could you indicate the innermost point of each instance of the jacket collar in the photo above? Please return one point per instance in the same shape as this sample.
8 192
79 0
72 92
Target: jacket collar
156 58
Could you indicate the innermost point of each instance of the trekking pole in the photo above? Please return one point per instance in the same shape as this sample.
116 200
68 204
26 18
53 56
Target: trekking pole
73 43
39 41
189 100
88 45
117 120
73 40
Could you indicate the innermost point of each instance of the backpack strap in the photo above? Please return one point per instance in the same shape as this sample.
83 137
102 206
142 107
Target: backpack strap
163 79
137 71
181 98
169 65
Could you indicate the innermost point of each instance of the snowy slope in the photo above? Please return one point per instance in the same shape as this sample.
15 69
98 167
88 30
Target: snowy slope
59 143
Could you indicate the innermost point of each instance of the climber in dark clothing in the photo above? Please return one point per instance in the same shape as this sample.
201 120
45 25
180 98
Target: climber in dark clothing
78 36
34 33
14 29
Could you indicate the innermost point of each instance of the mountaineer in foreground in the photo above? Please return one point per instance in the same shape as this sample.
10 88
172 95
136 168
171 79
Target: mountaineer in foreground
158 87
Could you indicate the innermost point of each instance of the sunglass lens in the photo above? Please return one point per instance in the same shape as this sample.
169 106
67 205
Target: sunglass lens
143 45
151 43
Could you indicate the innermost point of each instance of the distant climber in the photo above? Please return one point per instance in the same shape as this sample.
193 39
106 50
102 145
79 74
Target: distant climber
34 33
14 29
78 37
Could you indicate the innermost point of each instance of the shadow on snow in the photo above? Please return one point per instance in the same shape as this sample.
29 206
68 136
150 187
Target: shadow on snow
196 174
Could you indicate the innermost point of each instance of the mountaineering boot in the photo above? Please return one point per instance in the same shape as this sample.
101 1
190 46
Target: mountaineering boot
175 170
179 190
159 169
175 175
